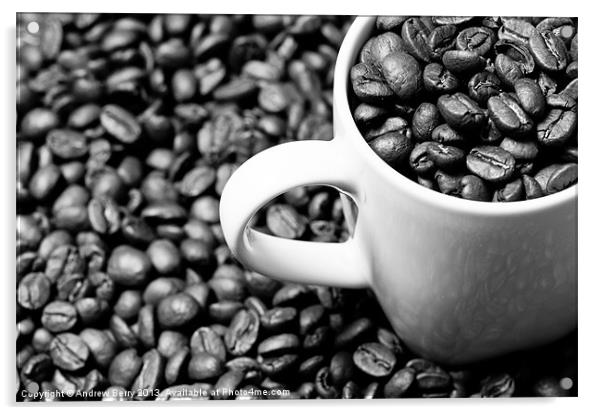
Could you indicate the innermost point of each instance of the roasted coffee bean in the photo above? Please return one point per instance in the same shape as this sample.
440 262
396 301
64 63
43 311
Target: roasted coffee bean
101 346
122 332
520 150
508 115
374 359
341 368
474 188
324 386
354 332
415 34
284 221
68 351
557 127
279 319
33 291
444 134
433 381
390 23
463 61
365 114
382 46
460 112
532 188
491 163
440 40
549 52
177 310
498 386
66 144
104 215
557 177
207 340
530 97
402 73
426 118
176 365
484 85
437 79
205 366
369 85
477 39
124 368
516 30
511 192
242 333
150 376
128 266
120 124
59 316
278 344
400 383
350 390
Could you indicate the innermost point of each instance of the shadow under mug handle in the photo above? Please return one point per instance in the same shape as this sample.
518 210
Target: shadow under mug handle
269 174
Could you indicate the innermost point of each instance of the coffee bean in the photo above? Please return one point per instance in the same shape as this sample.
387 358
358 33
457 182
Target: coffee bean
474 188
59 316
120 124
402 73
66 144
324 385
508 115
205 366
437 79
104 215
207 340
477 39
484 85
490 163
426 118
440 40
415 34
498 386
530 97
400 383
374 359
516 30
369 85
460 112
341 368
128 266
177 310
354 332
557 127
68 351
463 61
242 333
549 52
150 376
34 291
381 47
284 221
124 368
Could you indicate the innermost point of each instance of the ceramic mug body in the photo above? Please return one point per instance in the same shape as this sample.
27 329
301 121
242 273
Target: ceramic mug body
459 280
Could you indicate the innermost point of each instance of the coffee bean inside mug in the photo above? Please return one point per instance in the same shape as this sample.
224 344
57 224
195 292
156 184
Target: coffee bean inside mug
480 108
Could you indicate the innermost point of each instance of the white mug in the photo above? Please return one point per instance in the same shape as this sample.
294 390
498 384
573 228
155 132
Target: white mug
459 280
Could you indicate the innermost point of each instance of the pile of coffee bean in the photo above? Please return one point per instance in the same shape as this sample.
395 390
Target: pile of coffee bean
128 128
481 108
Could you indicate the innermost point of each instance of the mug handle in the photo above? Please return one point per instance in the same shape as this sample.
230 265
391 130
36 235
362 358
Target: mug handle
269 174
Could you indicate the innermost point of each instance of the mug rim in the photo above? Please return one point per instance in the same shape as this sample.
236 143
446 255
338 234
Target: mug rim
347 55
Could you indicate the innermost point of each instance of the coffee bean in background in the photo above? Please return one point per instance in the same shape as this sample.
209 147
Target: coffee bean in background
128 128
472 84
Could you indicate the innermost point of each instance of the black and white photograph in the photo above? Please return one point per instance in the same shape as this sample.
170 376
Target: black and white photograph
295 207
